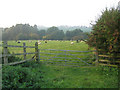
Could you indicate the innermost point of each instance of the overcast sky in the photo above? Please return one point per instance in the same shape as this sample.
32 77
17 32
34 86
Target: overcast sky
52 12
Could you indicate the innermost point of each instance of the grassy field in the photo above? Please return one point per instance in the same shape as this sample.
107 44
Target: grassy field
38 75
59 45
63 45
72 77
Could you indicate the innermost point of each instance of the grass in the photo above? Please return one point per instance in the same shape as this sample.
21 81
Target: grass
60 76
84 77
63 45
37 75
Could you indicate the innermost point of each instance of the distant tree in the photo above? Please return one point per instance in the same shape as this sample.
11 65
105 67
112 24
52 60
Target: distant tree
51 30
42 33
53 33
75 34
27 32
68 35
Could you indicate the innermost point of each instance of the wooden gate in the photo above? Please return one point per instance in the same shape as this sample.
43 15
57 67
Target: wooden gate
67 57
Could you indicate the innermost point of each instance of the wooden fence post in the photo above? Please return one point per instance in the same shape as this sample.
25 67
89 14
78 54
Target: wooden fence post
5 53
97 60
37 50
24 50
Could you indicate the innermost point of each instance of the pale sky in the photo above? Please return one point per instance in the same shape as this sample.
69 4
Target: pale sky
52 12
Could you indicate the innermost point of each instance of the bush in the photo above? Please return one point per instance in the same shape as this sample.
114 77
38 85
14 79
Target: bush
20 77
105 35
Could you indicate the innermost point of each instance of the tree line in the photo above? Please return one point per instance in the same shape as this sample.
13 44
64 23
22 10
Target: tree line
27 32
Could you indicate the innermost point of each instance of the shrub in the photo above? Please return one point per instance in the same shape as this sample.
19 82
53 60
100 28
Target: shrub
105 35
20 77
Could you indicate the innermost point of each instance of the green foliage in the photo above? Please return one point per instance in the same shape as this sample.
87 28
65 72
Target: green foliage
76 34
21 77
107 71
106 32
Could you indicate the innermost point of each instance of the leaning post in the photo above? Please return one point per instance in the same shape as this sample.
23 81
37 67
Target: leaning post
5 52
37 52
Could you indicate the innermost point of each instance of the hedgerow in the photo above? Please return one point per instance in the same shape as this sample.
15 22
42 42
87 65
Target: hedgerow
105 35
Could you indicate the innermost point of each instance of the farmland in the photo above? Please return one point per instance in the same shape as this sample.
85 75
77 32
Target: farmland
38 75
63 45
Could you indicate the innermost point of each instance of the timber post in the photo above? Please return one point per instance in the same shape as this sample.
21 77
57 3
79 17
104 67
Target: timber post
37 52
97 60
5 52
24 50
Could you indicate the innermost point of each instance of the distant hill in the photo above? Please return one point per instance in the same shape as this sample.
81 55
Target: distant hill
69 28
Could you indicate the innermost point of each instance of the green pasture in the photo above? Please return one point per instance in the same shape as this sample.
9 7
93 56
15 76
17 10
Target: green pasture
84 77
63 45
58 45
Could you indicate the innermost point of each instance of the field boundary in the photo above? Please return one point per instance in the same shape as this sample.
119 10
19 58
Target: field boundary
38 55
107 60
